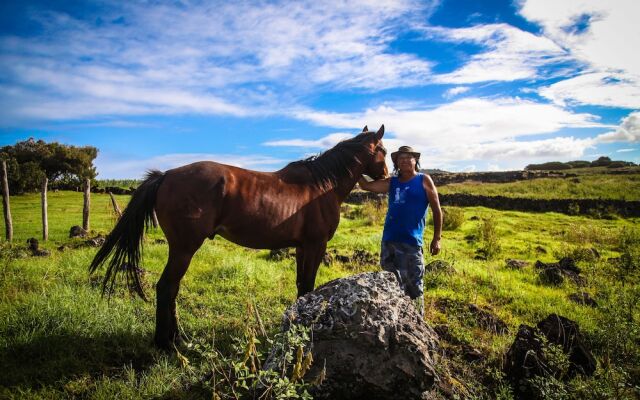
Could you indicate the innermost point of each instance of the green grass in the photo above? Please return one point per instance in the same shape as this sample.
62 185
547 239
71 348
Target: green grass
587 185
60 338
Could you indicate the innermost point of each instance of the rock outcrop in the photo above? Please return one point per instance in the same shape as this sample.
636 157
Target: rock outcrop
367 340
527 356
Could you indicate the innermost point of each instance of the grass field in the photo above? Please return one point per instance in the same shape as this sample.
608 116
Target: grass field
60 339
588 185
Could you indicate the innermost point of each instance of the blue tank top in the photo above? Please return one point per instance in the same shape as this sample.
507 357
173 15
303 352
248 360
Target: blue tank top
407 211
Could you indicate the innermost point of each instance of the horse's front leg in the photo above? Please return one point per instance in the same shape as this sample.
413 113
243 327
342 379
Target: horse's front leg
308 258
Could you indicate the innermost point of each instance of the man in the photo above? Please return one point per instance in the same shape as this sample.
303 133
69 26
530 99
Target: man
410 194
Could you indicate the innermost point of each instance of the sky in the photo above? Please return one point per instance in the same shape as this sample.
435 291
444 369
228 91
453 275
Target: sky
473 85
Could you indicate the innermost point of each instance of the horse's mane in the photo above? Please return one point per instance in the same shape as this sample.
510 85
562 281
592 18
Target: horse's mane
329 166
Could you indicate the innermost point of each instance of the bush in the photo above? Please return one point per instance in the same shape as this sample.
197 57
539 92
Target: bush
453 218
489 240
372 211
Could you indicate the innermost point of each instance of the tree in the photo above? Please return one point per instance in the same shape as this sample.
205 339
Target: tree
28 162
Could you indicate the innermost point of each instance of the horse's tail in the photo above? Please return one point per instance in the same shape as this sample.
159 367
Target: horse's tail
125 241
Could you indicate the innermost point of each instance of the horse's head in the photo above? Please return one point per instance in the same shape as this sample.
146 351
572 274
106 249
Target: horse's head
376 167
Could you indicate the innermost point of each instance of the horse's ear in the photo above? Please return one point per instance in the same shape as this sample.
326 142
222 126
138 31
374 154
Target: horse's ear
380 132
365 129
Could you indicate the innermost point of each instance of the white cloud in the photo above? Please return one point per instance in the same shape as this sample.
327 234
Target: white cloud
495 130
322 143
112 168
613 90
602 33
454 91
470 120
628 131
235 58
625 150
512 54
555 148
603 36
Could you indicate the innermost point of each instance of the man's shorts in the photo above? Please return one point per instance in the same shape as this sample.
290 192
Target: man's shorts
406 262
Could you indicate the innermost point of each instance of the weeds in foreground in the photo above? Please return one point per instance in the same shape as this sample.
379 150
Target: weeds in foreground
242 374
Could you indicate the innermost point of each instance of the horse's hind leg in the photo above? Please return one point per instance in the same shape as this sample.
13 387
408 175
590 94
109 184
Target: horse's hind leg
166 291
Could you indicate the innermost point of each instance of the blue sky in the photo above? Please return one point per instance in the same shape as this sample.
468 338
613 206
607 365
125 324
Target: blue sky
473 85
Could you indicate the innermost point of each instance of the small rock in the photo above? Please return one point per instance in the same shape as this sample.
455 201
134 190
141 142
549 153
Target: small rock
541 250
77 231
280 254
35 249
444 332
583 298
551 276
516 264
471 354
96 241
488 320
439 266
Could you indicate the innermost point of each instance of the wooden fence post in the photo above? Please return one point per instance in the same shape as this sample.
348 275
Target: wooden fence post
87 204
115 205
45 221
8 224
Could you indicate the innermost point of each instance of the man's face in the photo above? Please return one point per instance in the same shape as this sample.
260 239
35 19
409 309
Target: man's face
406 162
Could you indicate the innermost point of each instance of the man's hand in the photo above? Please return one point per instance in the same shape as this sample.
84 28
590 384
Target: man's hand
435 247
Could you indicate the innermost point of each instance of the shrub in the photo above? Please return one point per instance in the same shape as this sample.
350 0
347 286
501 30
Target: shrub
371 211
489 240
453 218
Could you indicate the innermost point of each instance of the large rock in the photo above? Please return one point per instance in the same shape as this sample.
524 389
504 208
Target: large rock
369 339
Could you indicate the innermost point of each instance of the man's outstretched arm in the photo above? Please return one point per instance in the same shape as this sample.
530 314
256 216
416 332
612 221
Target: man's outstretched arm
379 186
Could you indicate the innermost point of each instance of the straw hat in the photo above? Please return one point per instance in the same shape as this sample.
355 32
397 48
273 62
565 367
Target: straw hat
404 149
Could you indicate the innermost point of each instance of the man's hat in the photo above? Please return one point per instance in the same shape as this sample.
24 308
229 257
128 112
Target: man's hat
404 149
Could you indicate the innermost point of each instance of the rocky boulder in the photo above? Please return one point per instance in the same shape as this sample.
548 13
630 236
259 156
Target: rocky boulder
368 341
527 356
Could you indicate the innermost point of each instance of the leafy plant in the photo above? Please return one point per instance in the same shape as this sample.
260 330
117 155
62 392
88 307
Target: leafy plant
241 374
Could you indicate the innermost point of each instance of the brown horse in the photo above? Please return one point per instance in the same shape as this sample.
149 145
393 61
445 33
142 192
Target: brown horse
297 206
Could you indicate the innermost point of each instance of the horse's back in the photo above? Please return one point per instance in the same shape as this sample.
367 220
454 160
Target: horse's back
247 207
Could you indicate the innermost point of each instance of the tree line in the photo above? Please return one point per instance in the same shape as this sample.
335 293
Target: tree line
31 161
557 165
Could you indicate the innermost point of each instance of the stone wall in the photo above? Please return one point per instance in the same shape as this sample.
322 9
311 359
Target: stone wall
596 207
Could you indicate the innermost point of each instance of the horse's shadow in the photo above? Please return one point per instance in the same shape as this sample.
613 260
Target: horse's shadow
48 360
